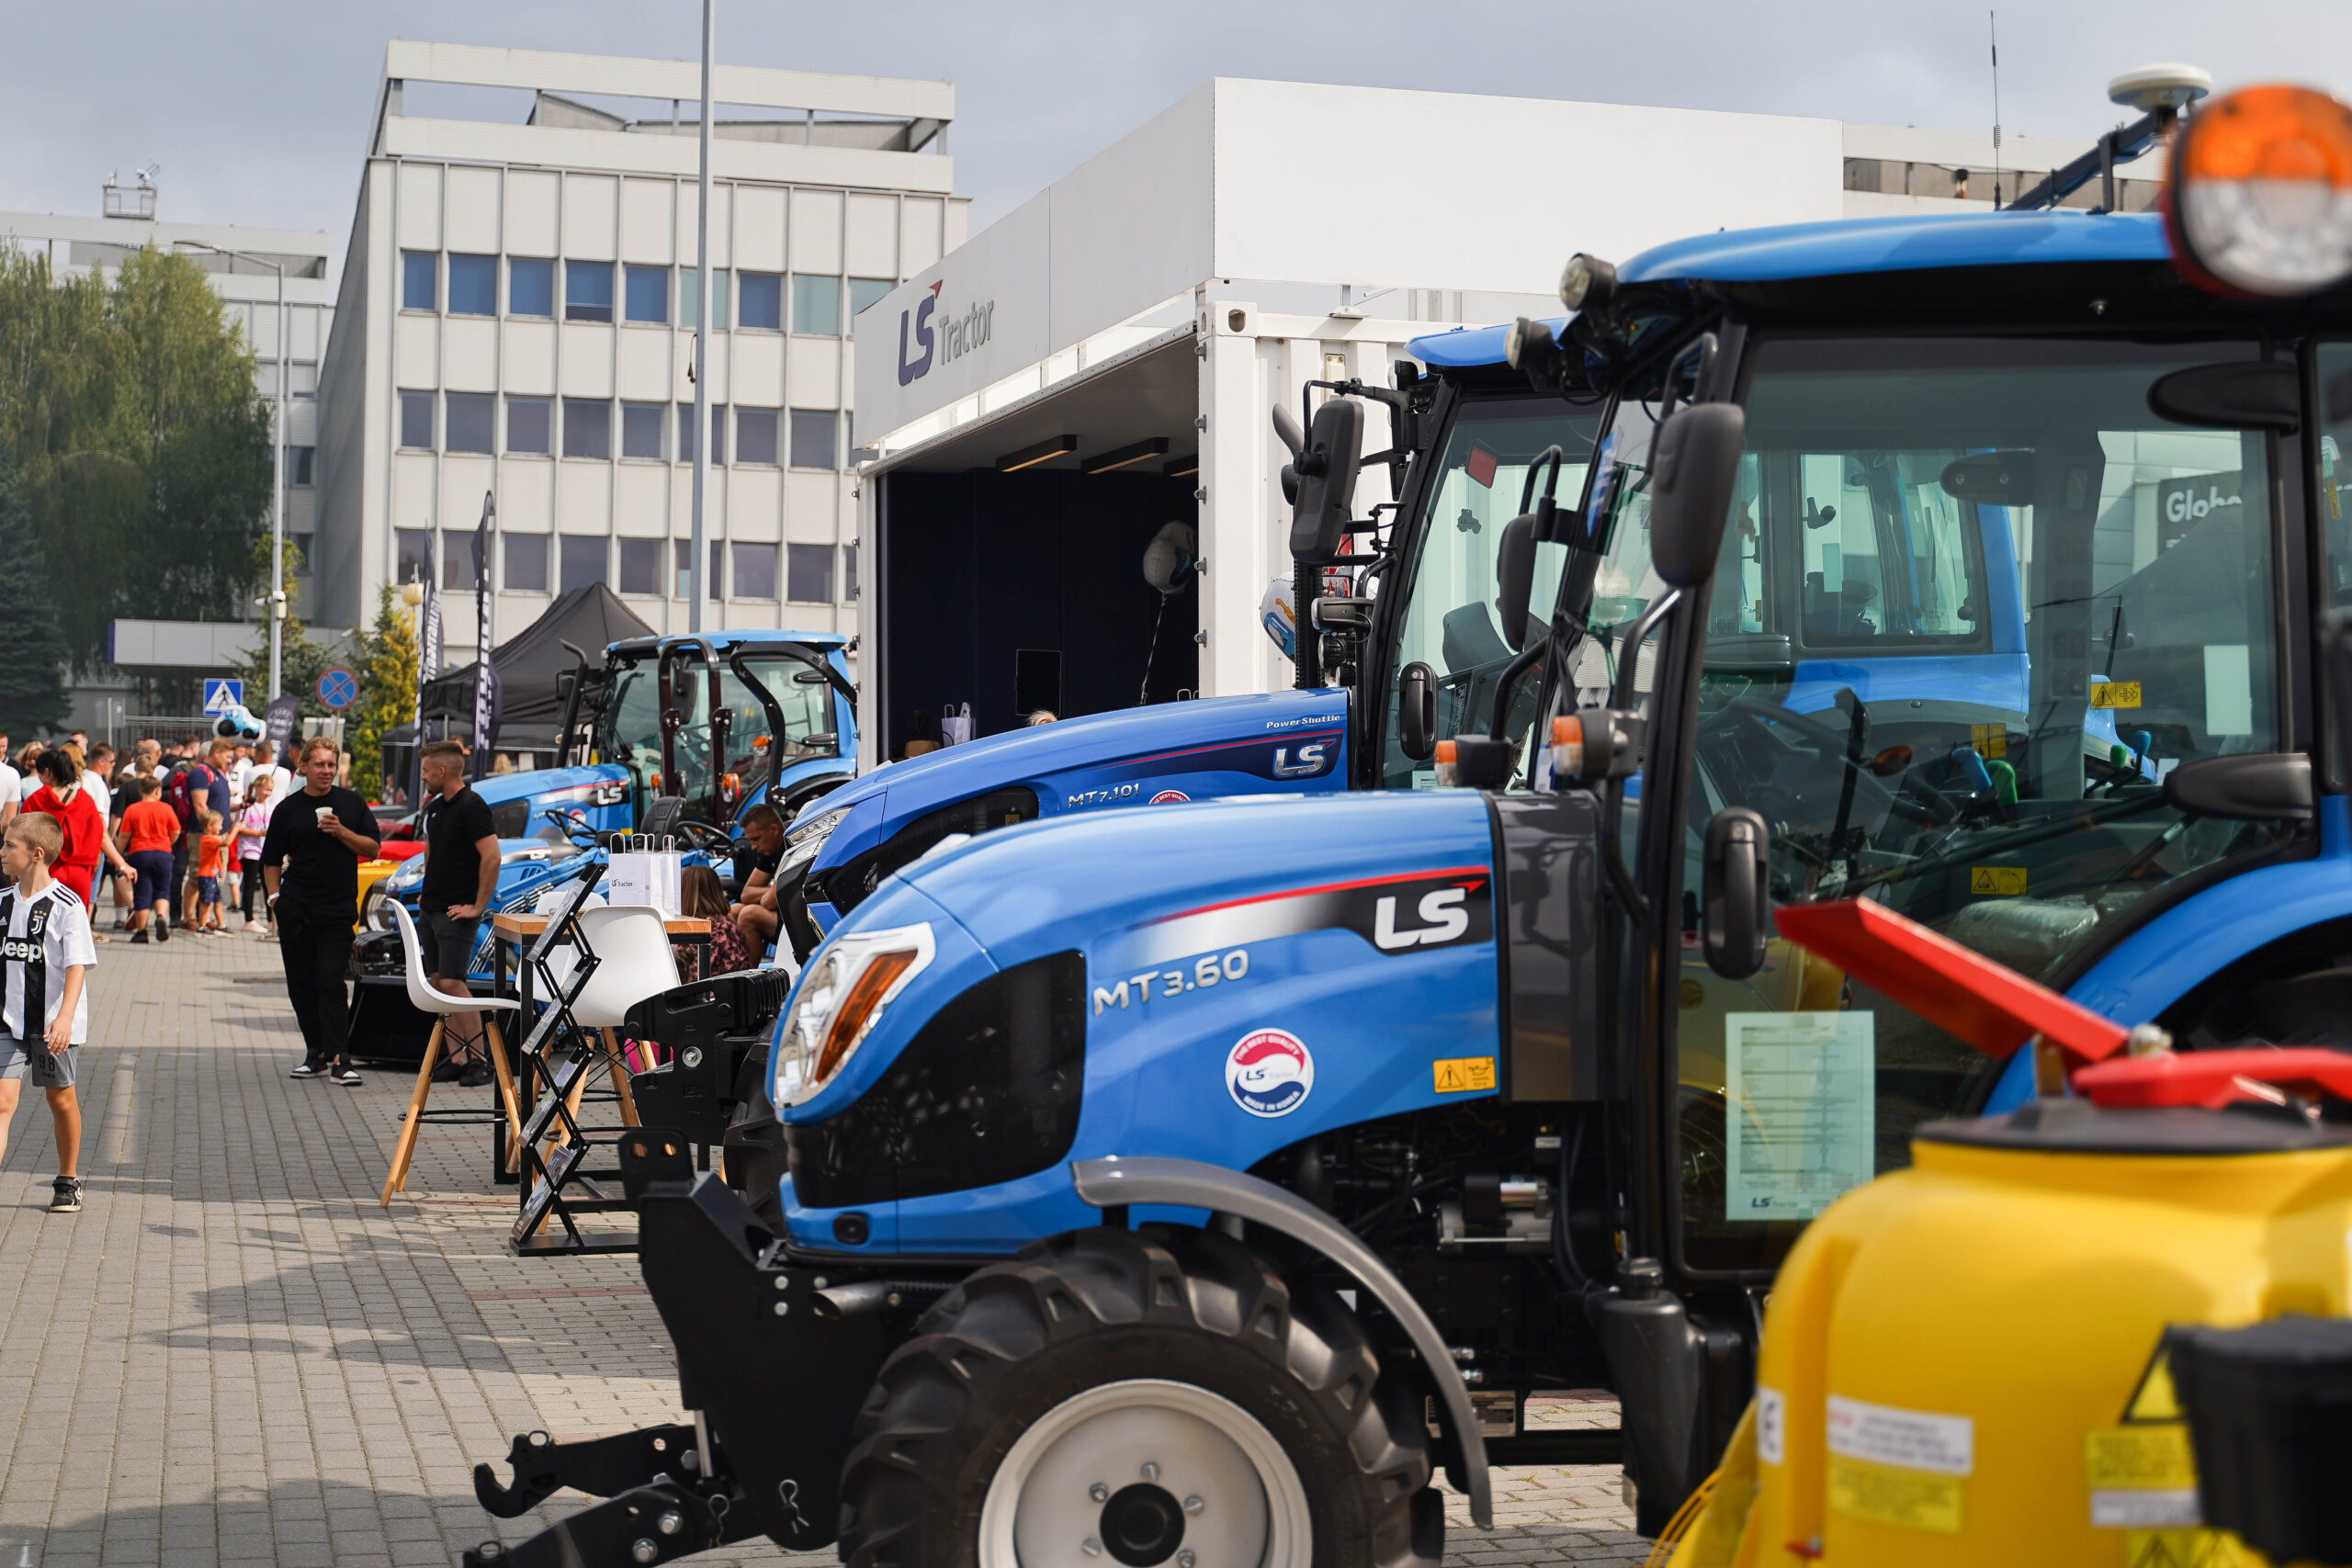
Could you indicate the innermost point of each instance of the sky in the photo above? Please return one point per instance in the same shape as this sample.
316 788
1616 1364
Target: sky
259 110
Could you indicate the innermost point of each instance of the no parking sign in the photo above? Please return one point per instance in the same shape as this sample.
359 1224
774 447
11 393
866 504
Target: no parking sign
338 688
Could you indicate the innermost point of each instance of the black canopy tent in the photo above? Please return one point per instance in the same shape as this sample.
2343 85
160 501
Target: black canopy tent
528 665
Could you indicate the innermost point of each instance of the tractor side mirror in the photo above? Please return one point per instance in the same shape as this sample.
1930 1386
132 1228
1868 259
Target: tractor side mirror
1320 479
1736 900
1693 462
1417 711
1515 576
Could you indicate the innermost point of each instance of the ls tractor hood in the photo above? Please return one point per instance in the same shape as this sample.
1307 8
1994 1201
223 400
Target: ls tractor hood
1168 755
1213 982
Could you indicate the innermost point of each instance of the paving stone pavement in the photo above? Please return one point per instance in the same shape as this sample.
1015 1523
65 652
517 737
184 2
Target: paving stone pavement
233 1356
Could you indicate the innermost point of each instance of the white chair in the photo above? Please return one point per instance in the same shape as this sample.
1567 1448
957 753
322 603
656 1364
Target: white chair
633 962
426 998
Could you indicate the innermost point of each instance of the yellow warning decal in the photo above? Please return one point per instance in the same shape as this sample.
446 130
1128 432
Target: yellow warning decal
2115 694
1892 1494
2185 1549
1462 1074
2137 1457
1990 739
2002 881
2142 1477
2153 1398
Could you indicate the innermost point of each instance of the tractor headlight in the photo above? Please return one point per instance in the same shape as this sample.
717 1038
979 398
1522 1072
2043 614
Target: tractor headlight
2262 192
800 845
839 1000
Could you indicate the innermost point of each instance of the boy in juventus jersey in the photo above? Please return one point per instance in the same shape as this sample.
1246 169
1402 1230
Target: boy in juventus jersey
45 954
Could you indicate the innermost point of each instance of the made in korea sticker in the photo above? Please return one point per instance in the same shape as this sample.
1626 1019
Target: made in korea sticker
1270 1072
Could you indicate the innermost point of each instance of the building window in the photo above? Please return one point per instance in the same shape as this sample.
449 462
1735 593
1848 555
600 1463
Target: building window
681 557
527 424
812 438
587 427
641 431
717 432
458 560
763 301
302 379
416 421
466 422
849 574
300 463
420 280
808 574
582 560
531 286
690 296
587 291
641 566
755 571
648 293
755 436
473 285
817 304
414 546
865 291
301 543
527 562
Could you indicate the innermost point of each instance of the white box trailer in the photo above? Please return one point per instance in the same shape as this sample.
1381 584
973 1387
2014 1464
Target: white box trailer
1103 361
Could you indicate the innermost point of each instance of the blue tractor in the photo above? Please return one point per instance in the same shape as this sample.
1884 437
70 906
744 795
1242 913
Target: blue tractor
1189 1186
674 737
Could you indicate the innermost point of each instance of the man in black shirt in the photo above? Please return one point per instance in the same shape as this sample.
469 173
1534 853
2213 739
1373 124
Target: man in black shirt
460 879
755 913
309 867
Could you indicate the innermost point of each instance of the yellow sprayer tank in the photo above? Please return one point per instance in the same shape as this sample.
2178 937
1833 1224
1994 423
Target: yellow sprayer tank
1961 1361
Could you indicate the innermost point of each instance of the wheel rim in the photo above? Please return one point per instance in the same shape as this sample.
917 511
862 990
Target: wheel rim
1143 1473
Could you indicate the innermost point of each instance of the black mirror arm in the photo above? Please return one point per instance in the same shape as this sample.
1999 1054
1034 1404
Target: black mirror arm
1621 695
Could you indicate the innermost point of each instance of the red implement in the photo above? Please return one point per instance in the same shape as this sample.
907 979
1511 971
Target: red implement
2216 1079
1992 1007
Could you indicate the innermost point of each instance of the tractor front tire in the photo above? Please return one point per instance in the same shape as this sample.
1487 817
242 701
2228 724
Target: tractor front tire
1138 1398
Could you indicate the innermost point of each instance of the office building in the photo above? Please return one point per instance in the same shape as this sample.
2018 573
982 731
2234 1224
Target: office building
516 319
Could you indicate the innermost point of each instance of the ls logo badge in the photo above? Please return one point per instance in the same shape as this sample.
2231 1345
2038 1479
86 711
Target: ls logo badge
908 373
1443 920
1312 759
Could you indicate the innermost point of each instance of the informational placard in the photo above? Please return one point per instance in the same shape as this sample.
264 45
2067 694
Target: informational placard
1801 1115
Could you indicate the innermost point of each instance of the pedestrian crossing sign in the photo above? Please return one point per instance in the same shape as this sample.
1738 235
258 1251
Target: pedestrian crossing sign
220 695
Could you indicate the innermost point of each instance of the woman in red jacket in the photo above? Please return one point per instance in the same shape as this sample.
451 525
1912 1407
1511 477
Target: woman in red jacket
62 795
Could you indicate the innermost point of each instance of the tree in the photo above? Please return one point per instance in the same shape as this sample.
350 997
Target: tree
143 446
302 658
388 678
32 651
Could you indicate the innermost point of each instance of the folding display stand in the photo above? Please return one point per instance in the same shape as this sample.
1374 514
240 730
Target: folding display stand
559 1055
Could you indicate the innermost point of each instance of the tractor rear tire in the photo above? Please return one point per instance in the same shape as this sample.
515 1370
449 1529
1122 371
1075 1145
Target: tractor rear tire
1139 1398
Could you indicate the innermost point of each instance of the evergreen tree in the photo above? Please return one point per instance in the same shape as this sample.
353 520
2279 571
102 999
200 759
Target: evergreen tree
302 658
32 651
387 657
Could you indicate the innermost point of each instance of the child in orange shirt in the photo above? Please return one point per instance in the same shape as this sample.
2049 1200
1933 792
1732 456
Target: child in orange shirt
210 849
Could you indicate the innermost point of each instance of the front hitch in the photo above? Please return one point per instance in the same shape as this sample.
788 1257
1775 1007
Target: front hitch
776 1367
600 1467
645 1524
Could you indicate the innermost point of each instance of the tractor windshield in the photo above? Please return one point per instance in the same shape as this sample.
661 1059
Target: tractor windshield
1450 621
628 731
1974 601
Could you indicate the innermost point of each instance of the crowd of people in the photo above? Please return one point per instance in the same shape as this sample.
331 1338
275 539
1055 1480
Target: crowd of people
173 830
184 830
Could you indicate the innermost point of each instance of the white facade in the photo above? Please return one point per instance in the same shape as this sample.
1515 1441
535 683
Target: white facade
516 314
1235 234
249 294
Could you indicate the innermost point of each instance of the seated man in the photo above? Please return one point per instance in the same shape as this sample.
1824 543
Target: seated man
755 911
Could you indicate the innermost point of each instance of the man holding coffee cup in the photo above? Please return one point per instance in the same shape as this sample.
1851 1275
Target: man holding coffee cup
309 867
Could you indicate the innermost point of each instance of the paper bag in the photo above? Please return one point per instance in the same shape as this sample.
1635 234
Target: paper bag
646 878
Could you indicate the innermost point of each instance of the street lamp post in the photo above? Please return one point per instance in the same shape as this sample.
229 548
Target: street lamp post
276 467
696 550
